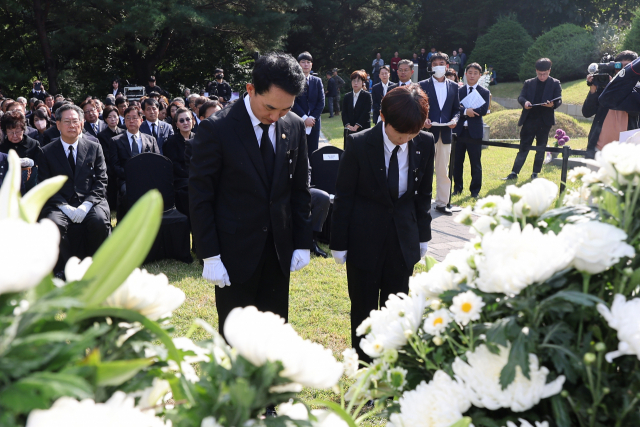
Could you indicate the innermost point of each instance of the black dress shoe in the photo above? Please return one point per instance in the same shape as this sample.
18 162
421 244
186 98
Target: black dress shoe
534 175
444 210
474 195
317 251
60 275
456 193
511 176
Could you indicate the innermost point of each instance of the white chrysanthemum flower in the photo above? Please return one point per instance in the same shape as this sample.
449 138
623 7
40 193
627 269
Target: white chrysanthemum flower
577 173
397 378
117 411
581 196
260 337
350 362
513 259
436 322
536 197
445 276
481 377
597 245
159 391
28 253
525 423
210 422
465 216
483 225
392 324
364 328
618 161
466 307
75 269
440 403
493 206
624 317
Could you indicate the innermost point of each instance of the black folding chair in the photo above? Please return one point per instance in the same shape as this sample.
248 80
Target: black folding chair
324 173
149 171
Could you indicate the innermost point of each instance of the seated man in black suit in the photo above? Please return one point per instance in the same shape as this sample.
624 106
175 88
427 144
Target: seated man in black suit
82 198
381 222
129 144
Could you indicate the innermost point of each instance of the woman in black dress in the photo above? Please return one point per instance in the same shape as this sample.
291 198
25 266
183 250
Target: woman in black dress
13 125
356 106
112 119
173 148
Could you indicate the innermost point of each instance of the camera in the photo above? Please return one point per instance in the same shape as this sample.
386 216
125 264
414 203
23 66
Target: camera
38 86
603 71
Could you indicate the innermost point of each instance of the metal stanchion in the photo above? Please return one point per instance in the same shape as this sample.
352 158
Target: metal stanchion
565 165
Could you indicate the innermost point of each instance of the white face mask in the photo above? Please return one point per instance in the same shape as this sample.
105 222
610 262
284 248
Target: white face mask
40 124
439 70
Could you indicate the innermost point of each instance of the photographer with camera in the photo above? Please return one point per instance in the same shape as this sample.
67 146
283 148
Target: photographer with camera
607 123
38 91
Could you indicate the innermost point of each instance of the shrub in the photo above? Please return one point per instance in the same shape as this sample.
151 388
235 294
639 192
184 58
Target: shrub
504 125
632 40
506 58
571 48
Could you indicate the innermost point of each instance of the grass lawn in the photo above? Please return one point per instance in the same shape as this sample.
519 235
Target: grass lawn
573 92
319 303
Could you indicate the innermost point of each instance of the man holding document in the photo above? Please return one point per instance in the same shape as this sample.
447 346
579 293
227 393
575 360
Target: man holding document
539 98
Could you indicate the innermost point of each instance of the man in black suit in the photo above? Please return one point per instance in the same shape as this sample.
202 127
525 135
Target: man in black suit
310 103
38 91
470 131
381 222
379 90
151 126
82 198
153 87
127 145
424 61
92 123
539 98
248 192
444 107
121 105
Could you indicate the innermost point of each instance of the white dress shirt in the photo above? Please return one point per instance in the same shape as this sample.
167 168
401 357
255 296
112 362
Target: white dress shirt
441 91
403 161
138 140
475 87
256 125
355 97
405 83
66 148
384 88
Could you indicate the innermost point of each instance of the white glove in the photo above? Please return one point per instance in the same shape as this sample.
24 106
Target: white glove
424 246
69 211
339 256
300 259
81 212
215 272
26 162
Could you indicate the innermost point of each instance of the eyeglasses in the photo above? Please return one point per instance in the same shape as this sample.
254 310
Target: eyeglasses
93 110
71 122
132 119
15 133
185 120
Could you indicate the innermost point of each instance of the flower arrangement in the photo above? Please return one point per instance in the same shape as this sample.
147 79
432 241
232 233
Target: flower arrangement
561 138
534 322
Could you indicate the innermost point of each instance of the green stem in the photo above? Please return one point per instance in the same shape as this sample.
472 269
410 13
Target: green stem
586 277
626 411
575 411
356 394
592 418
630 208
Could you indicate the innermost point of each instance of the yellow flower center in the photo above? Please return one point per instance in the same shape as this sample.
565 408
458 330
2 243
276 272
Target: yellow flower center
438 321
466 307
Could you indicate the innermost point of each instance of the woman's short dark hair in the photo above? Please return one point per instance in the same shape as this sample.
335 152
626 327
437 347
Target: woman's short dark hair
13 119
132 108
451 73
359 74
277 69
543 64
473 65
405 108
108 110
204 107
439 55
39 114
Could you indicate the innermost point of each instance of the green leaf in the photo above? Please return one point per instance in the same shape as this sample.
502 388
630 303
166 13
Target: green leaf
518 356
430 262
463 422
560 411
46 338
117 372
32 202
337 409
575 297
497 333
124 250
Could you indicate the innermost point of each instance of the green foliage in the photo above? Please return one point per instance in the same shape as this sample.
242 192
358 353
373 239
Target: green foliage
506 58
609 37
570 48
632 39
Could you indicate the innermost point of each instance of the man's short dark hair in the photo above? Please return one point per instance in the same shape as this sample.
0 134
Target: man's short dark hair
120 101
48 95
218 70
66 107
439 55
329 73
150 101
277 69
473 65
385 67
305 55
204 107
152 78
406 62
626 55
543 64
133 108
405 108
57 105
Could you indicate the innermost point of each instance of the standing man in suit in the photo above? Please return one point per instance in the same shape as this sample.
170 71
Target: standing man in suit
536 121
423 64
121 105
310 103
381 222
405 71
331 93
92 124
248 192
127 145
379 90
470 131
152 126
463 58
82 198
444 108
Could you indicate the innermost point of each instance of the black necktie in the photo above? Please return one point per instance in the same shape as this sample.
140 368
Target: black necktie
153 131
393 175
470 89
72 161
134 146
266 149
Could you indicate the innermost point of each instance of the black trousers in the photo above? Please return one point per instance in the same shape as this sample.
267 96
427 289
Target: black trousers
94 230
320 203
466 144
336 103
267 289
369 288
532 129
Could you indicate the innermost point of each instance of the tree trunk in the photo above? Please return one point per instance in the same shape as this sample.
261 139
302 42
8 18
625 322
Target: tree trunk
50 63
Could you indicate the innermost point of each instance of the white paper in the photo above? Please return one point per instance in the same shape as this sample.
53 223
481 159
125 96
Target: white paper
473 100
443 124
308 129
334 156
624 136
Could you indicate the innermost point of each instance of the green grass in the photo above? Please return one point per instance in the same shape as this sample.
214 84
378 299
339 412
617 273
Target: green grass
573 92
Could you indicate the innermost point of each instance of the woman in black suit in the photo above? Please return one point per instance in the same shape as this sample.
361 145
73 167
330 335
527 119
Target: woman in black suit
40 121
356 113
173 148
112 118
13 126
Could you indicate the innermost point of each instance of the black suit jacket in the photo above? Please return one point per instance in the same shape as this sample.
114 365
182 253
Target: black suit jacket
450 109
89 129
174 149
360 114
231 206
376 95
551 91
363 209
121 152
475 124
89 183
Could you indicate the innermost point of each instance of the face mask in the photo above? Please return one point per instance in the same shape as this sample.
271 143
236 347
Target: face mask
219 76
40 124
439 70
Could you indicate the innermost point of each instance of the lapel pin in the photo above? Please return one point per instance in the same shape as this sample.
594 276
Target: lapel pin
284 136
417 152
